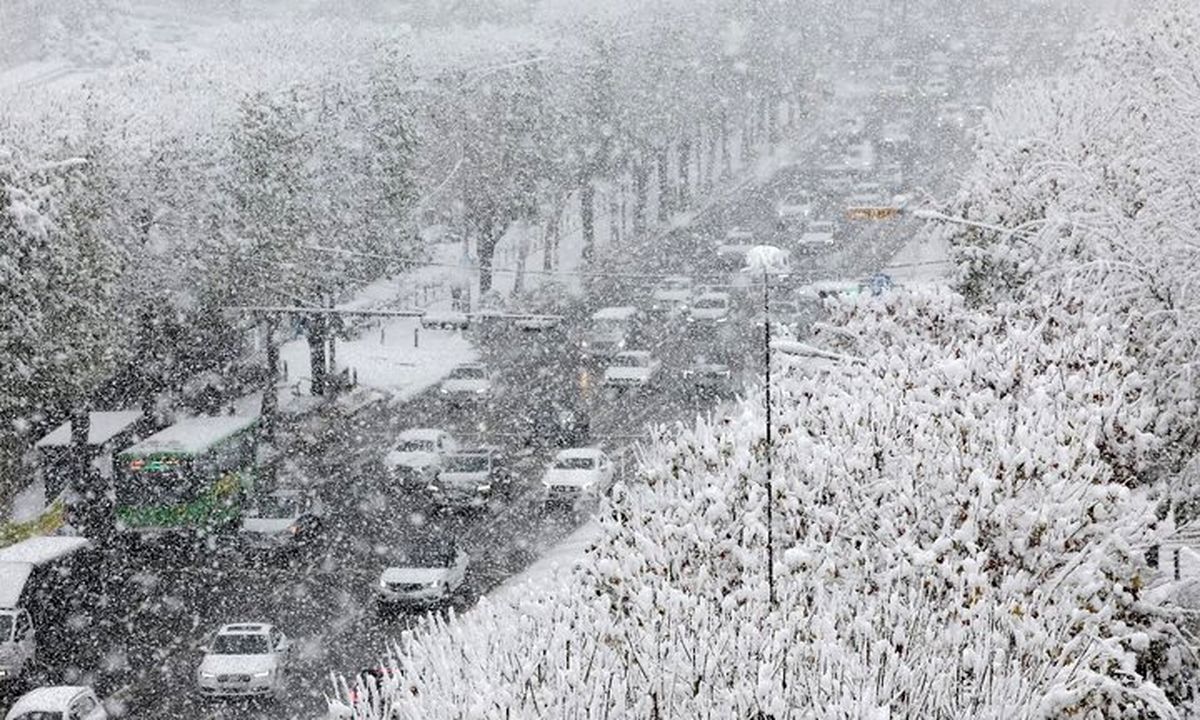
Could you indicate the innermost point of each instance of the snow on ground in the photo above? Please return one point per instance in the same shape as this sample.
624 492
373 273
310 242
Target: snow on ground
552 568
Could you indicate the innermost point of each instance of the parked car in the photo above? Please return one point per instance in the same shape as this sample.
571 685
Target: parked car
470 476
469 382
445 320
417 456
244 659
577 472
428 575
711 307
632 368
58 702
286 519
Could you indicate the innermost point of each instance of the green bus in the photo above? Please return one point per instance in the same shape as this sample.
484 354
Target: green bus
191 476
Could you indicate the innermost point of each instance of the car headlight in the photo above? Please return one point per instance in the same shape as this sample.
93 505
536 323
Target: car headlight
444 391
481 391
261 675
207 675
433 585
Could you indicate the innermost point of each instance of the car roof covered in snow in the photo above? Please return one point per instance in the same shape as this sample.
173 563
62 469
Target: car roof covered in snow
421 434
102 426
193 435
56 698
579 453
244 629
623 312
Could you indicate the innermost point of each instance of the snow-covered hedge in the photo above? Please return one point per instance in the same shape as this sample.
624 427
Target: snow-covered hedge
960 521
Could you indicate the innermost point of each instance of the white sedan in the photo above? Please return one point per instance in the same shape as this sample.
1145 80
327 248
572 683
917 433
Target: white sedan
632 368
244 659
428 576
472 381
576 472
75 702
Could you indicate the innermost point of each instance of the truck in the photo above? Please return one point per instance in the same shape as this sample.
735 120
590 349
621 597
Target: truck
44 581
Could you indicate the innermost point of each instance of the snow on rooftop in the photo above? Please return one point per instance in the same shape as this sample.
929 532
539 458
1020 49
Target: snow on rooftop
103 426
12 581
39 550
193 435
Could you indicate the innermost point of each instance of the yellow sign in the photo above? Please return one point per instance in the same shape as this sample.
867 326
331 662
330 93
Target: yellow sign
871 213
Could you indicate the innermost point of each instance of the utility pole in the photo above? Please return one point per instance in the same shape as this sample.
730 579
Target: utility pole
770 449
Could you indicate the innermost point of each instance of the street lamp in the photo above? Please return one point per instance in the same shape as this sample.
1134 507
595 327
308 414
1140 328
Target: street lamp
768 260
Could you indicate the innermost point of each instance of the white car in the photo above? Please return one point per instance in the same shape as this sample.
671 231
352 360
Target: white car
471 476
472 381
577 472
795 208
418 454
244 659
18 643
428 576
818 236
671 295
711 307
60 702
286 519
632 368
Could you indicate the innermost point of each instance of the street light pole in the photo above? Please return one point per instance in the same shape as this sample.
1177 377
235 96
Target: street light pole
769 449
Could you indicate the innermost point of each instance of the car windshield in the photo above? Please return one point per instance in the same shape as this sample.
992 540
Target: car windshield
277 506
7 623
430 556
39 715
821 227
631 361
466 463
468 373
710 303
575 463
675 284
416 446
240 644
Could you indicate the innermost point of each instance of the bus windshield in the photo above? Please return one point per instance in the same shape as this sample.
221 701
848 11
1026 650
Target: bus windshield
162 483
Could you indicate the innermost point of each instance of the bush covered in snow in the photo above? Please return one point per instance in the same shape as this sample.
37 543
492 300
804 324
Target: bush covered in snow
960 521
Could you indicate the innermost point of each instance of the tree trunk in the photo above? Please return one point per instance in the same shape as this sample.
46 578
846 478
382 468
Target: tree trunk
550 237
664 183
522 252
685 170
723 141
316 353
773 120
488 238
641 186
614 220
587 217
270 398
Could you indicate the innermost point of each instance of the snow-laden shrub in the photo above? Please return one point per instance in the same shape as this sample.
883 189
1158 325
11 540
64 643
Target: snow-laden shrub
1093 172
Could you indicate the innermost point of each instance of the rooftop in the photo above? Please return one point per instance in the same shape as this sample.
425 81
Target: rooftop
102 427
193 435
